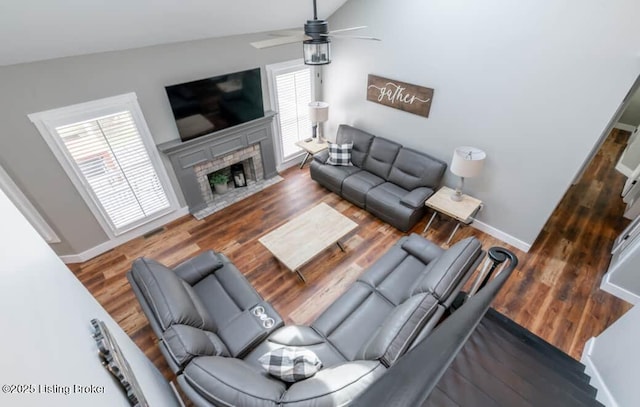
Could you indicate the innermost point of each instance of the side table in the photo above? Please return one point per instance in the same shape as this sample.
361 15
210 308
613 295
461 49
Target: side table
462 212
311 146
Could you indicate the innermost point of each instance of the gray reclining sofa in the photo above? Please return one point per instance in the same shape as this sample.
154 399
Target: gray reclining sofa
202 312
388 180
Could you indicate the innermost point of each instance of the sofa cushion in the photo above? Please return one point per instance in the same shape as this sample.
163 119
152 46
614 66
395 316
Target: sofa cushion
335 386
350 321
382 154
361 142
340 154
330 176
227 293
384 202
356 186
444 273
398 283
412 169
300 336
171 300
291 364
232 382
184 342
400 328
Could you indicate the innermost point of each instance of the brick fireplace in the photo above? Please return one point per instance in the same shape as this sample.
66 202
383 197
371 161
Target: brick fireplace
249 157
251 160
250 144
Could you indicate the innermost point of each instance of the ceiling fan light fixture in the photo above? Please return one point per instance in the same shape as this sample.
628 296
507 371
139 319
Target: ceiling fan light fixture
317 49
317 52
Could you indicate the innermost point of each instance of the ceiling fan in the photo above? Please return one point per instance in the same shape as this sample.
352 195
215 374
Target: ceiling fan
316 39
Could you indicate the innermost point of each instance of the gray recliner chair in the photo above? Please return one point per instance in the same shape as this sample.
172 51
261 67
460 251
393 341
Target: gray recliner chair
202 313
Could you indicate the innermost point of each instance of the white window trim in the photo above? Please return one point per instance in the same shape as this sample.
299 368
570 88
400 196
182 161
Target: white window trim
272 71
25 206
46 123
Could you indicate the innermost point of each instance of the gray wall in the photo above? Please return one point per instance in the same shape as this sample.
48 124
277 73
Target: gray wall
34 87
41 299
631 114
532 83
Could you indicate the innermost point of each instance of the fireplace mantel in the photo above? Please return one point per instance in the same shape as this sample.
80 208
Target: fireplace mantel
184 156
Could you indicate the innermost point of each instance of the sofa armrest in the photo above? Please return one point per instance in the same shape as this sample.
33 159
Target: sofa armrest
243 333
442 276
321 157
197 268
184 342
417 197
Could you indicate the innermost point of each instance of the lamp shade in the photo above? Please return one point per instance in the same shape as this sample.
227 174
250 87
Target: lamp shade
316 52
467 161
318 112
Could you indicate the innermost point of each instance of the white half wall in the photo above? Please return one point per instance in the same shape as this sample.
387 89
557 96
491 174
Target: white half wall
631 115
612 359
533 83
47 336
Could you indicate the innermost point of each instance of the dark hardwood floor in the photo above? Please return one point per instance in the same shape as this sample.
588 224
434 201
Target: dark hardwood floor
554 292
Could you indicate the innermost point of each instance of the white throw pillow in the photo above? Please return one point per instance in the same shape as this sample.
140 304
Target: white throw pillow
340 154
291 364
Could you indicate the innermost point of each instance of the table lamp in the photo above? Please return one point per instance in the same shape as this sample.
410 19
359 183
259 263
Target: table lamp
318 113
467 162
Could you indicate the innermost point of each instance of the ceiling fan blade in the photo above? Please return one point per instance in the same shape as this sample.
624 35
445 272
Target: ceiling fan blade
274 42
353 37
347 29
286 33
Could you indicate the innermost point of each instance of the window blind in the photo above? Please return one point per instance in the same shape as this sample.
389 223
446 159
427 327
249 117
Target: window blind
293 90
116 168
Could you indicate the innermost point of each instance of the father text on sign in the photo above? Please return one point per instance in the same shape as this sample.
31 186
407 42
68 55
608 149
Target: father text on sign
400 95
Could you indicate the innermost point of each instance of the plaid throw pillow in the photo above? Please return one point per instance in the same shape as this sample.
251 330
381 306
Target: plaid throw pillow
340 154
290 364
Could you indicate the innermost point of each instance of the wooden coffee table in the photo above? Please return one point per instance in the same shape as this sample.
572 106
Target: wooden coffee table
302 238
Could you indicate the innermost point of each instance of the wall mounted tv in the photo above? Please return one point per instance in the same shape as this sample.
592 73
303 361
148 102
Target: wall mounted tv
207 105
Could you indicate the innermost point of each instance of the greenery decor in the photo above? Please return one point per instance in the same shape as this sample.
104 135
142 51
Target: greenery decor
219 178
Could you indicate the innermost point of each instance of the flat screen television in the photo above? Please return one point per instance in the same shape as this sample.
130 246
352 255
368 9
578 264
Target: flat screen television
208 105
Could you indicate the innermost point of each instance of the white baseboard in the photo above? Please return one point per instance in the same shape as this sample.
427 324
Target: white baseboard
499 234
295 161
622 293
110 244
604 395
625 127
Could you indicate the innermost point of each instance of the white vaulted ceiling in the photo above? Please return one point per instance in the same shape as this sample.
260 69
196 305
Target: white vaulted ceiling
32 30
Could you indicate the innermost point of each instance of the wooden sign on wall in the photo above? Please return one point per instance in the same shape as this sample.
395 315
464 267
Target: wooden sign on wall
399 95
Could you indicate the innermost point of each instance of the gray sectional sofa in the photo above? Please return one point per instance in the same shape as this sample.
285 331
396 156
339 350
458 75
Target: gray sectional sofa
388 180
203 312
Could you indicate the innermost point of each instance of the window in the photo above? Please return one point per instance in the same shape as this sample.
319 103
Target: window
291 86
109 154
